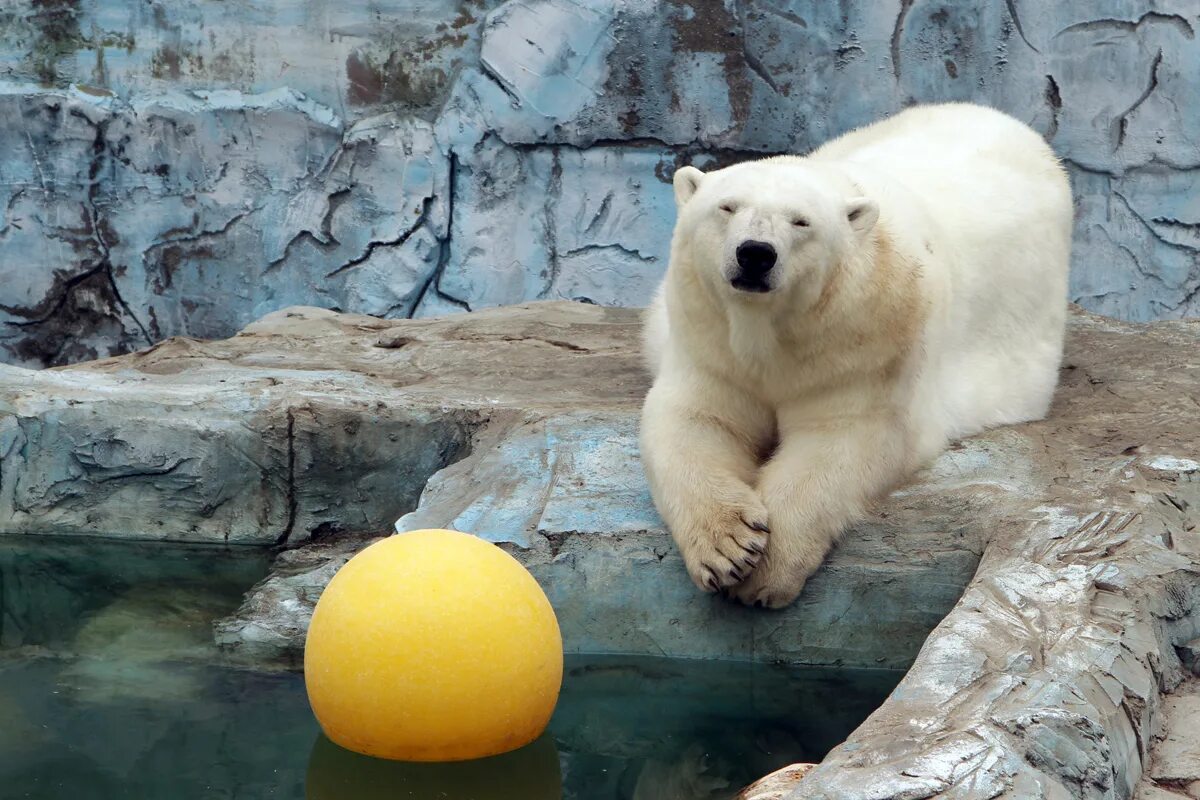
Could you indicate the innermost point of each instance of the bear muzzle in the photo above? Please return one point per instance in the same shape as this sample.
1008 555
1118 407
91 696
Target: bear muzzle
755 260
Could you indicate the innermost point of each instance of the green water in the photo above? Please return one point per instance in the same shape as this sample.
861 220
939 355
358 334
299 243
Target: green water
110 687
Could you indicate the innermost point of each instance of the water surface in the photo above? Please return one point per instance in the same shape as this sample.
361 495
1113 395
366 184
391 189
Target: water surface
110 687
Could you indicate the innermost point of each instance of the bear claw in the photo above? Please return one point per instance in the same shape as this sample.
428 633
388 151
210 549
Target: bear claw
761 527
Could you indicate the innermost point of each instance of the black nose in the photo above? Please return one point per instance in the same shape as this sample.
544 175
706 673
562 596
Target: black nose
755 259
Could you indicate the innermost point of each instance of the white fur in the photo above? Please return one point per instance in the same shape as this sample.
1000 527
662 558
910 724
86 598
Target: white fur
920 296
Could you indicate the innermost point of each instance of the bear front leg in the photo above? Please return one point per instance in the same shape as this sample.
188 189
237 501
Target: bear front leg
701 450
820 480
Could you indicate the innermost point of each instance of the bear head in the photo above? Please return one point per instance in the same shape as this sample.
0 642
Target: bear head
768 230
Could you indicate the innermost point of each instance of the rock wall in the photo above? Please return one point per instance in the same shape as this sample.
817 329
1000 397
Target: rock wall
183 168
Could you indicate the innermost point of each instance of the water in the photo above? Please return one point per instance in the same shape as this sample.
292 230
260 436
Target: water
110 688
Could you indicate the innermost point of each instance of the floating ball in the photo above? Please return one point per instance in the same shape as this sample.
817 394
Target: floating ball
433 646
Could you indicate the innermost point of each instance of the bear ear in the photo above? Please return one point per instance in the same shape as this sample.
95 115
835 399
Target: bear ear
862 213
687 181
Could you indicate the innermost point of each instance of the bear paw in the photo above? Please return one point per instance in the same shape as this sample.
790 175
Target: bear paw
725 546
770 585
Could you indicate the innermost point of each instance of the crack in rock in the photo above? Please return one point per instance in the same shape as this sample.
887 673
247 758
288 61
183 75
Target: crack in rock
905 7
1054 101
1120 124
292 503
97 224
553 193
1178 21
433 282
1016 20
1150 227
405 235
756 66
615 246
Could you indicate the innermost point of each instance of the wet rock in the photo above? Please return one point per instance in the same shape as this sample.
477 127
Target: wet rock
52 588
127 651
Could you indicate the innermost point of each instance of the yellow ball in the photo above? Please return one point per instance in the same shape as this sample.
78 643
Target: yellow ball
433 646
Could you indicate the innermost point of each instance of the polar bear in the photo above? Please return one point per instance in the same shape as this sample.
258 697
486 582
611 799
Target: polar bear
829 323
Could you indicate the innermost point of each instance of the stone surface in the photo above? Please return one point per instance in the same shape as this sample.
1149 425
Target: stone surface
1174 770
185 168
310 424
1043 680
778 784
1177 755
1189 653
181 223
348 56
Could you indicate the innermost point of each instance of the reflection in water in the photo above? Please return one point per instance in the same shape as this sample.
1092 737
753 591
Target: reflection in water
531 773
694 775
659 729
638 729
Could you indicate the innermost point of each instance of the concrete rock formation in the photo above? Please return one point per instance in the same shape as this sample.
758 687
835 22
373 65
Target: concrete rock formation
1049 657
184 168
519 423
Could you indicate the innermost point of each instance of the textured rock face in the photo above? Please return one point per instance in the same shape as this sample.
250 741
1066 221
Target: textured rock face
1044 672
1045 679
152 234
310 424
1174 770
215 162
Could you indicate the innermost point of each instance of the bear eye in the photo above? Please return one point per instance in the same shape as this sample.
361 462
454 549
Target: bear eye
728 208
800 222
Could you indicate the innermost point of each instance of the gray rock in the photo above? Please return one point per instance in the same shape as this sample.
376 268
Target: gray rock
756 78
348 57
185 170
311 423
1189 654
593 225
188 227
1176 759
307 423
